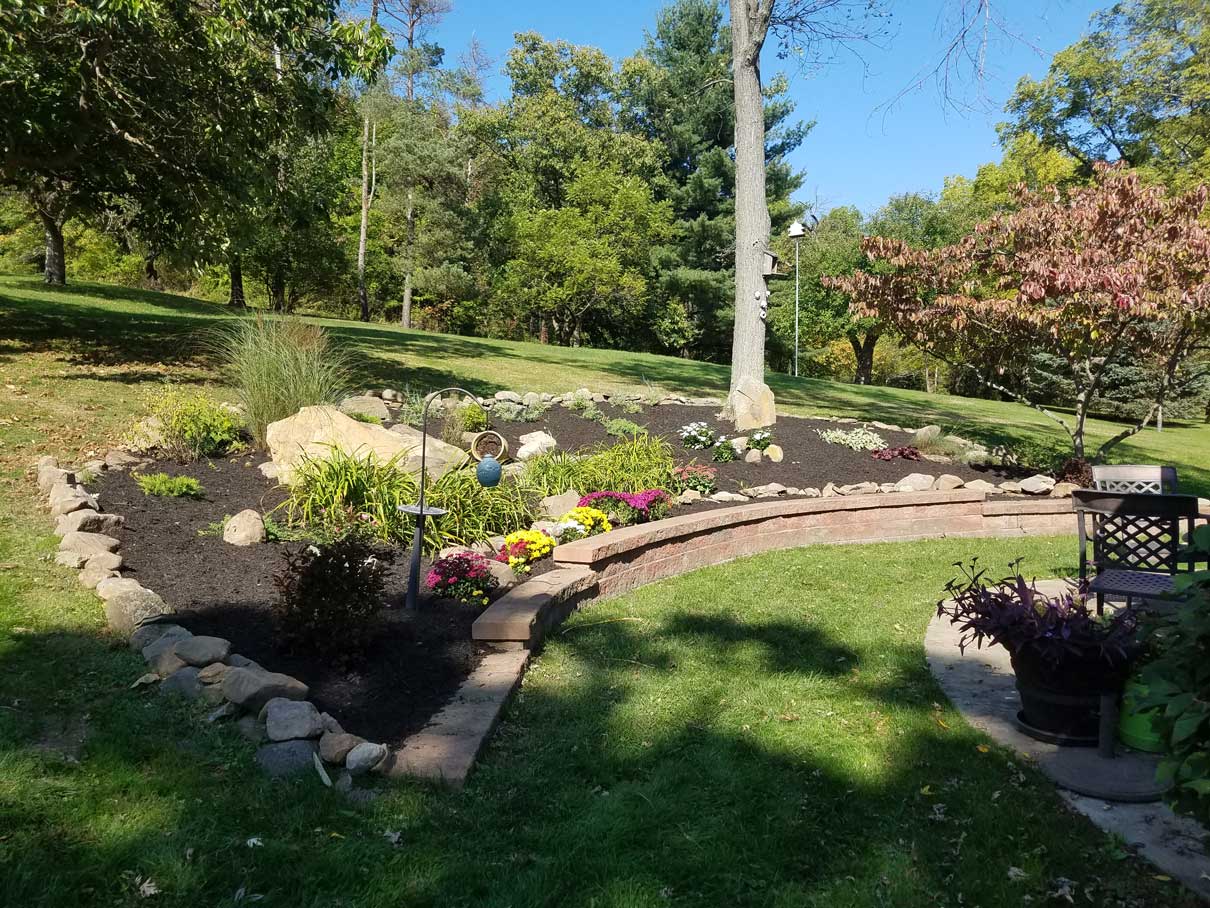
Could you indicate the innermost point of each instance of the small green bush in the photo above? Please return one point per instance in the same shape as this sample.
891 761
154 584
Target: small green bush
622 427
863 439
277 366
723 451
166 486
340 492
192 424
466 417
510 411
635 464
364 417
627 404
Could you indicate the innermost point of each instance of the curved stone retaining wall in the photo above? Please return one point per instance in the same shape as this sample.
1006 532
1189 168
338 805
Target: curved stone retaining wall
623 559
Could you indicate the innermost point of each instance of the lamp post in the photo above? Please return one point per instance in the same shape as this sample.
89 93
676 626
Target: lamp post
797 232
488 473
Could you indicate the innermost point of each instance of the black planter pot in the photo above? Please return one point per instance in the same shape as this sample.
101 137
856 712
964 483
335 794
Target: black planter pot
1062 704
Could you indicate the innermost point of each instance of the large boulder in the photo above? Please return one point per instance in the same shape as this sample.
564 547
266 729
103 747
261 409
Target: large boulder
252 688
127 610
87 521
366 406
555 506
751 405
1037 484
247 527
915 482
64 499
316 431
286 719
535 443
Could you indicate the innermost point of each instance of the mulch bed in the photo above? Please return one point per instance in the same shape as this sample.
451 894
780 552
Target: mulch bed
410 669
810 462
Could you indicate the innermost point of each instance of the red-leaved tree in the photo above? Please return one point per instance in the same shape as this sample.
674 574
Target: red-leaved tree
1115 272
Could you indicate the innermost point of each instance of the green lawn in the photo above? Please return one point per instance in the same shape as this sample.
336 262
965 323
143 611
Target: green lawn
762 733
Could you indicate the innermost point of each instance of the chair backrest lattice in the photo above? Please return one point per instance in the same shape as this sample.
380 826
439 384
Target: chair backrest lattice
1146 479
1137 531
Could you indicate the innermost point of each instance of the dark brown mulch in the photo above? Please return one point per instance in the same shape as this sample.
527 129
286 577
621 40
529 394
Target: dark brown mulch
412 666
810 462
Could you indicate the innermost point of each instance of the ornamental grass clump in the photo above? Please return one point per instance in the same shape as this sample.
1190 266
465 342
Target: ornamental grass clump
625 508
463 576
522 548
862 439
164 486
278 365
581 522
634 464
697 477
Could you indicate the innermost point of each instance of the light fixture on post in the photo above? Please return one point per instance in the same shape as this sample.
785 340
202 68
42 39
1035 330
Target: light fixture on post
488 473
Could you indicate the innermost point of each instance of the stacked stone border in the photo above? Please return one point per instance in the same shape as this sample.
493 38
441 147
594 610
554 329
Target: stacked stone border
272 708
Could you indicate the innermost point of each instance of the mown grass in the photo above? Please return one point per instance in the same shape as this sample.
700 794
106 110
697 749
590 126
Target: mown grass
763 733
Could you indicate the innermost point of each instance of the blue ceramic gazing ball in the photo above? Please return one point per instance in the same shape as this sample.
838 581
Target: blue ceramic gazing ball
488 472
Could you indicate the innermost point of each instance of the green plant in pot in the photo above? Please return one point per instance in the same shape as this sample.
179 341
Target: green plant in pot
1064 655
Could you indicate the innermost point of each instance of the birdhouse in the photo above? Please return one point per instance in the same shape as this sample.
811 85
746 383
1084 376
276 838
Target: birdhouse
770 264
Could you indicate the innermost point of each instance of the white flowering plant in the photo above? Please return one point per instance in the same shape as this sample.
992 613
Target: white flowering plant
760 440
863 439
697 436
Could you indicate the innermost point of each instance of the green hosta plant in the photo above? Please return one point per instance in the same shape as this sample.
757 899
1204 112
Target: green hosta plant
1178 682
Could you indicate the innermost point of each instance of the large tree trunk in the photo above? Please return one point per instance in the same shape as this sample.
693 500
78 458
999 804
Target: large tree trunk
406 317
863 350
235 270
56 261
277 289
749 26
367 193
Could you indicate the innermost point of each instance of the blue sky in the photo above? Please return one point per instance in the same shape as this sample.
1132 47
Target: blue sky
859 153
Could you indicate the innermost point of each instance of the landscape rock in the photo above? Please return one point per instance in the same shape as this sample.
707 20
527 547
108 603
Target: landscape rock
88 521
88 544
247 527
212 673
389 394
49 476
111 561
120 460
286 758
915 482
828 491
364 757
1063 489
334 746
980 485
689 496
555 506
506 577
182 683
227 711
535 443
161 659
887 487
859 488
269 470
1009 487
752 456
252 688
1037 484
926 435
366 406
532 399
235 660
511 397
289 719
64 499
768 490
251 728
947 482
728 497
809 492
775 453
203 651
752 405
126 611
739 444
316 431
147 634
70 559
94 572
112 586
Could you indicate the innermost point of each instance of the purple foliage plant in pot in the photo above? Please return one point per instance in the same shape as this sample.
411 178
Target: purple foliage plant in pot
1065 656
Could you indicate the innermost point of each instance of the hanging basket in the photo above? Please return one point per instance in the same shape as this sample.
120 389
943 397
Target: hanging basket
489 442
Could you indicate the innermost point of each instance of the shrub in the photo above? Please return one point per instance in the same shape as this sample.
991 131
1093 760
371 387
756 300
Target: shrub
636 463
512 411
464 576
364 417
466 417
1077 470
760 440
579 401
905 452
581 522
622 427
330 595
695 476
627 404
625 509
523 547
863 439
341 491
697 435
166 486
278 366
592 413
724 451
193 425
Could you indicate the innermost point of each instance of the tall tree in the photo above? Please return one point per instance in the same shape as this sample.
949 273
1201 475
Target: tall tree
156 99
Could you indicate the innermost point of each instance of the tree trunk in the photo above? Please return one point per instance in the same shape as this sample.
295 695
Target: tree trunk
151 273
749 25
56 261
406 318
863 350
544 330
277 289
235 271
409 217
363 297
